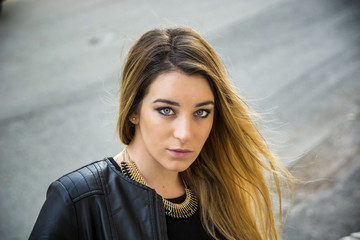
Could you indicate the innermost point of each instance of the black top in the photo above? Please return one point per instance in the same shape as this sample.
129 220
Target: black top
182 228
185 228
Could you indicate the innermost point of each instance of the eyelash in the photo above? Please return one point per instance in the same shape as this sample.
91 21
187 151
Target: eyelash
161 111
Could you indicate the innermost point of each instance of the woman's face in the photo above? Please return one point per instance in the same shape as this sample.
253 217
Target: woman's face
174 120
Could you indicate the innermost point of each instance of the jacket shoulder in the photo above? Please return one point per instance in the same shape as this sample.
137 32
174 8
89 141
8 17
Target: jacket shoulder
85 181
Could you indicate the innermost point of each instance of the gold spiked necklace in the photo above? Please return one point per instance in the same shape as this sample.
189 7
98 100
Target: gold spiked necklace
176 210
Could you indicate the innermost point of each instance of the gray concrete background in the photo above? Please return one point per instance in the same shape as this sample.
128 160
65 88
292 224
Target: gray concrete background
296 62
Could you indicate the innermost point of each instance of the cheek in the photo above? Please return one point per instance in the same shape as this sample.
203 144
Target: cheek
204 134
153 128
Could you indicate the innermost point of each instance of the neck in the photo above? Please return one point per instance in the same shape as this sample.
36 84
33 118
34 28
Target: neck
167 184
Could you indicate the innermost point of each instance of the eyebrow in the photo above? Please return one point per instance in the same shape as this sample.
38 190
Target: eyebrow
204 103
178 104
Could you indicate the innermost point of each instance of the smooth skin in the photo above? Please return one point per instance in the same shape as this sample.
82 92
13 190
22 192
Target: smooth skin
171 127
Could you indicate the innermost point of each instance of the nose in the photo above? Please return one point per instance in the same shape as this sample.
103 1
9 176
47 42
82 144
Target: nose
183 129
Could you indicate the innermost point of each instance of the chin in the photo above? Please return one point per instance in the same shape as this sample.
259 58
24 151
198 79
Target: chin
179 166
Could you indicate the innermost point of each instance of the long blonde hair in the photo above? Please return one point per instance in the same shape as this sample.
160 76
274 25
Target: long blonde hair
229 175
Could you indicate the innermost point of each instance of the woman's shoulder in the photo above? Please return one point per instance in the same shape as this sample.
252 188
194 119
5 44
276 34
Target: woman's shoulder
85 181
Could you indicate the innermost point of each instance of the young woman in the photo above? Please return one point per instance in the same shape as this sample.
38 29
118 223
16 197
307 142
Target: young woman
194 166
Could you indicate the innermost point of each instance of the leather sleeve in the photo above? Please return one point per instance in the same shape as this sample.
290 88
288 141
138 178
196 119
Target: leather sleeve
57 218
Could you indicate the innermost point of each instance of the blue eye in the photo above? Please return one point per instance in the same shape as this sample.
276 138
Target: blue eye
165 111
203 113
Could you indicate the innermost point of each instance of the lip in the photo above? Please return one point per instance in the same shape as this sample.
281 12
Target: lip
180 152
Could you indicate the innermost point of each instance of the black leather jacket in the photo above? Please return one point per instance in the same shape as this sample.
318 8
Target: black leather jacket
99 202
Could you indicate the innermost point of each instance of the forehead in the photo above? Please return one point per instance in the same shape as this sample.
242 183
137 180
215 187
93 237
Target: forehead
180 87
